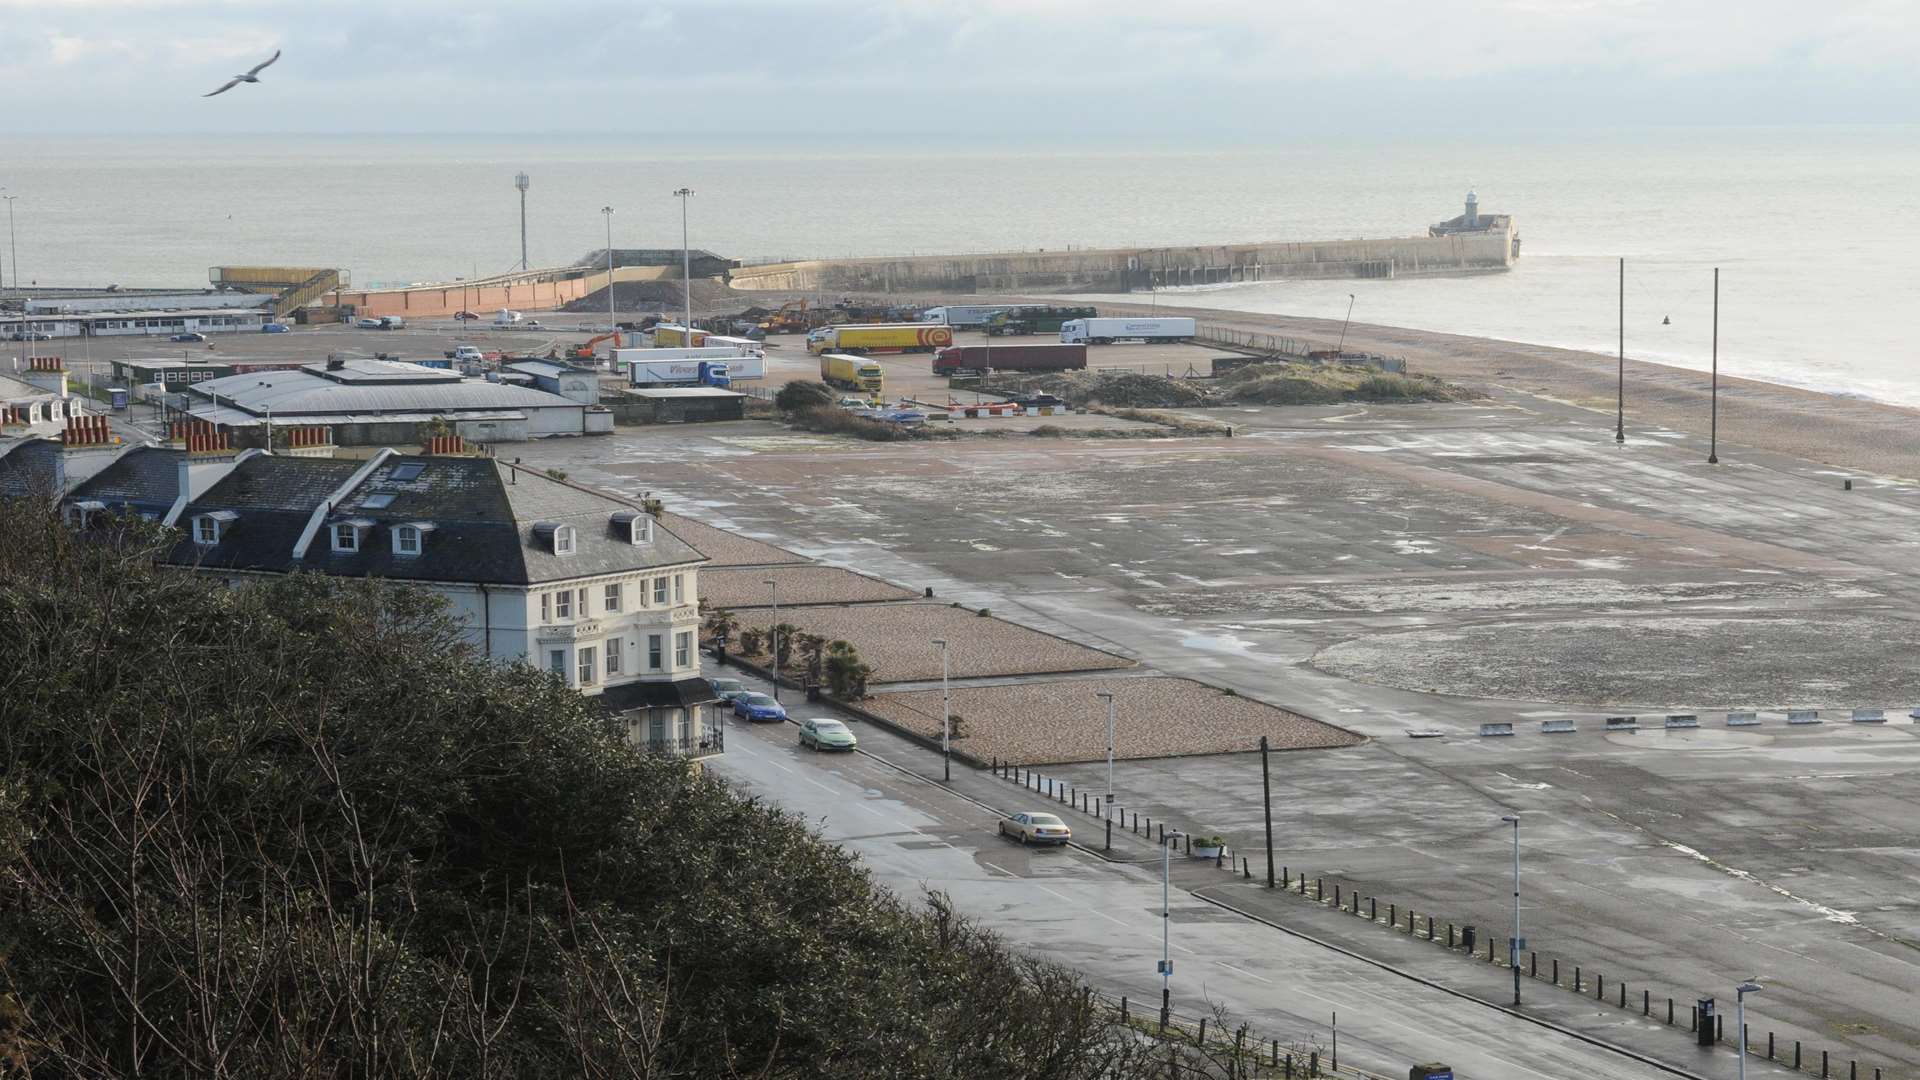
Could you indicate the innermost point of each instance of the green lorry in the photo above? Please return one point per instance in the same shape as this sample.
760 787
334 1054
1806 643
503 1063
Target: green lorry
1034 319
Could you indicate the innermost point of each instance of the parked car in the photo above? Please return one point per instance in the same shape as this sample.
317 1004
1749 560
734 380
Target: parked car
369 324
275 328
32 335
188 336
757 706
1033 828
821 733
463 316
727 689
532 324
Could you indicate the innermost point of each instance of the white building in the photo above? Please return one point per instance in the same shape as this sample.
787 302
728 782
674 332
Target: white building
580 584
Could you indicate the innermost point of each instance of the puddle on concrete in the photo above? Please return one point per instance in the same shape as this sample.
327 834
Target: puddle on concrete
1689 739
1220 643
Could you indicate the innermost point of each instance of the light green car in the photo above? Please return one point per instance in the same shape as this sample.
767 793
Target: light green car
823 734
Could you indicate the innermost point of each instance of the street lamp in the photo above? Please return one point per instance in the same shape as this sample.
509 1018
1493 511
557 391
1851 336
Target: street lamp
1514 944
774 630
521 180
1108 694
608 210
1740 1017
685 195
1167 844
946 716
12 245
1342 347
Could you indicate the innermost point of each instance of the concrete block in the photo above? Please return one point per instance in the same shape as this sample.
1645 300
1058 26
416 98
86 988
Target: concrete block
1426 733
1743 719
1869 716
1556 727
1496 729
1623 723
1804 716
1683 720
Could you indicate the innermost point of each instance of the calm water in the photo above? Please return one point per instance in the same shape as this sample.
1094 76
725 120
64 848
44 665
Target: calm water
1816 230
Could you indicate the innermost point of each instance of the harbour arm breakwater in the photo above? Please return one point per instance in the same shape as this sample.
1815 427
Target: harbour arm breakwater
1491 247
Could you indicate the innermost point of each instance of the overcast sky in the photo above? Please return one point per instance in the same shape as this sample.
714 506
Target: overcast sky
1032 68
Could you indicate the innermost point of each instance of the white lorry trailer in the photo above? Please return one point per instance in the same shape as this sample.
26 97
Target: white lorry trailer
961 314
1105 331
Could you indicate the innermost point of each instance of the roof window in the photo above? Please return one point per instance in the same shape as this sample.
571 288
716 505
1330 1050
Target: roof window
636 527
409 471
411 538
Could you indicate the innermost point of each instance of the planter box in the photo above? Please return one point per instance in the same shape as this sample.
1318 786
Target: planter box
1205 852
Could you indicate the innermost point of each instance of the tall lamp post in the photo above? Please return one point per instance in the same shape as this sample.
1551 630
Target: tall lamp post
685 195
13 246
608 210
521 180
1514 944
1713 436
1167 844
774 629
946 716
1740 1017
1108 694
1342 347
1620 414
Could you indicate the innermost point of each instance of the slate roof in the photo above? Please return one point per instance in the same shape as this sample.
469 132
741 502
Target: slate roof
145 479
29 468
483 515
657 695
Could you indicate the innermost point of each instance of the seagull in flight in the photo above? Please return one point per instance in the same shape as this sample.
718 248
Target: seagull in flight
252 75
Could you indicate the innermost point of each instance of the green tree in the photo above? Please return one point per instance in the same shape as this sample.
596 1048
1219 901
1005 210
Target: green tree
846 675
799 396
813 649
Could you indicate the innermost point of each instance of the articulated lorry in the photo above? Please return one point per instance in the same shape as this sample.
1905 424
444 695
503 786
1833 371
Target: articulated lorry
1034 319
850 372
879 338
663 373
1107 331
1049 357
961 314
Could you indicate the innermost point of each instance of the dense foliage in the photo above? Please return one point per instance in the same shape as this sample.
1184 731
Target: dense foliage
297 828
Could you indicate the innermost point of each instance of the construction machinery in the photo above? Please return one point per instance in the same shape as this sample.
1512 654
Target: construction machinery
791 318
584 350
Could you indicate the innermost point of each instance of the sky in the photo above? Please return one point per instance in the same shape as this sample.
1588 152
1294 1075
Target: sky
1028 69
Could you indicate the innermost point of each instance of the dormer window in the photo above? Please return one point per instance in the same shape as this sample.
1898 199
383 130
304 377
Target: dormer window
563 540
411 538
637 528
346 534
208 527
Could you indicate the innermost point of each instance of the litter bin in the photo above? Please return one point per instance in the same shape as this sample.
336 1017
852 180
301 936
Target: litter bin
1467 938
1433 1070
813 691
1705 1028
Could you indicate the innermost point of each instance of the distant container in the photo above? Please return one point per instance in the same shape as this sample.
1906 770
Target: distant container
961 315
1107 331
119 396
1048 357
671 335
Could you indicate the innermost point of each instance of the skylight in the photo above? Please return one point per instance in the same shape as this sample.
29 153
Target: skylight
379 501
410 471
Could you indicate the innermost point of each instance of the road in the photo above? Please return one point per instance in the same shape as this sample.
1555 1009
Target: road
1103 918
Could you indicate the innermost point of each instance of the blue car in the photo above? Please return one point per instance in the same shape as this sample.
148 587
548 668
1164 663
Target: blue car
758 707
274 328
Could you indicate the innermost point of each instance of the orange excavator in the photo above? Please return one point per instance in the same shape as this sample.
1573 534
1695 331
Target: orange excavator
584 351
792 318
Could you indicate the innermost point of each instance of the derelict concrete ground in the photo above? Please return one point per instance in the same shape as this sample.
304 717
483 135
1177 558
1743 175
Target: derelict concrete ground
1292 564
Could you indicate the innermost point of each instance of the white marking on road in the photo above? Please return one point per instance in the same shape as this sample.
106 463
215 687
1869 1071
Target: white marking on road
1106 916
1183 948
1054 893
1244 971
777 765
1002 869
818 784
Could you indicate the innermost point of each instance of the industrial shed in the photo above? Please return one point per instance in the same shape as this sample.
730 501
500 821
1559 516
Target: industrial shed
680 404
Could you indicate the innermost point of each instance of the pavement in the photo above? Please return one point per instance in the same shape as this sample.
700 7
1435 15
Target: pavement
1101 912
1389 568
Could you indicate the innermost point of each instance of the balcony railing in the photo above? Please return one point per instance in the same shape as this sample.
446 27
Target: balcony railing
705 743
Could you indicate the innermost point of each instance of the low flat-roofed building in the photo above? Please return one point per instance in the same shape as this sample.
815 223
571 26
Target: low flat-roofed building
125 323
680 404
572 383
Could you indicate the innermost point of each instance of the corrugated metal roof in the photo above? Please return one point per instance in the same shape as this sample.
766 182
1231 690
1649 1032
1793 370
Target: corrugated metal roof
303 393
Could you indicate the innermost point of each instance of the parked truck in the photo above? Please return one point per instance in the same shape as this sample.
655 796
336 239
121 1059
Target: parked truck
663 373
1025 319
961 314
1107 331
850 372
1047 357
672 335
879 338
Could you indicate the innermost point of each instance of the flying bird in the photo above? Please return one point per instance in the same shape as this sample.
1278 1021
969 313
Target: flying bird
252 75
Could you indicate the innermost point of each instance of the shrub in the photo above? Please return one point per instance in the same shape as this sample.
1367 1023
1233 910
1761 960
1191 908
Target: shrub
798 396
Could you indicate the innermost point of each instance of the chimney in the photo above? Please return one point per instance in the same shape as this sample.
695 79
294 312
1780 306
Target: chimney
48 373
86 446
309 442
445 446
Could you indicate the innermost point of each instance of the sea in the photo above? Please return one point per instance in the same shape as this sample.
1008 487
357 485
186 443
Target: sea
1815 230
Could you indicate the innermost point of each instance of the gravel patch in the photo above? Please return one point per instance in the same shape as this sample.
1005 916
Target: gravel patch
723 547
1055 722
797 584
896 640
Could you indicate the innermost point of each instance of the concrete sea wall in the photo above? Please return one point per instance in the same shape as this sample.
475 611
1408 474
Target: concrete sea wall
536 291
1130 269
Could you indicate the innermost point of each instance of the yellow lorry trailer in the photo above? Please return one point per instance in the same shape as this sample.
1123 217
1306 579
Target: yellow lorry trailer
850 372
880 338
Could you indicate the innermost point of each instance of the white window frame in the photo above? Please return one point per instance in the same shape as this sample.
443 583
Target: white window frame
206 530
563 540
344 530
580 601
407 540
660 590
656 651
683 649
546 607
642 527
563 604
557 662
610 597
615 658
585 665
679 588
